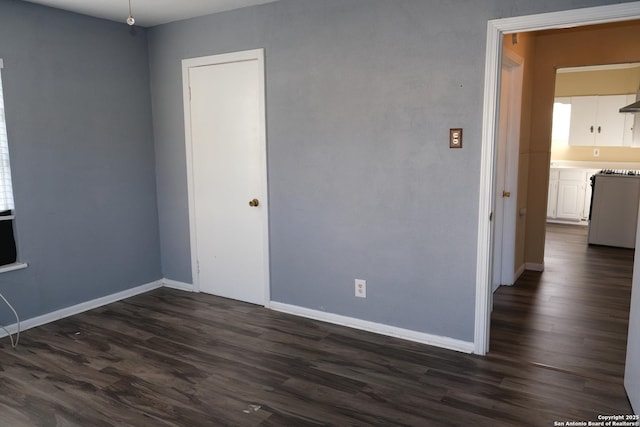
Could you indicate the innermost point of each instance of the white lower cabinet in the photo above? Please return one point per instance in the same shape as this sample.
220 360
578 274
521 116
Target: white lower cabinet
569 194
630 138
552 204
570 199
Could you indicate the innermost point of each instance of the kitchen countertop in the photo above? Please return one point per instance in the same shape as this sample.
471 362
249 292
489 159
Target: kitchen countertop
595 165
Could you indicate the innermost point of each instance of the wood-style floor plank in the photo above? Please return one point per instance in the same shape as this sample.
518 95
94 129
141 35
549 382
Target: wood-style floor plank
171 358
573 316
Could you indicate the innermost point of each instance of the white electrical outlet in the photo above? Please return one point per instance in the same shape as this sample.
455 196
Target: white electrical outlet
361 288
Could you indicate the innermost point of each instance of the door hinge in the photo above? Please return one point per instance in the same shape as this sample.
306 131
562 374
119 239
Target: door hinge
198 266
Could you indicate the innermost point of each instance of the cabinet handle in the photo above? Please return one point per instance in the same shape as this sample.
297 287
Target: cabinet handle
599 129
591 129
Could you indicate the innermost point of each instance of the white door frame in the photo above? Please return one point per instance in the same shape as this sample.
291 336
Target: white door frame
247 55
495 29
514 64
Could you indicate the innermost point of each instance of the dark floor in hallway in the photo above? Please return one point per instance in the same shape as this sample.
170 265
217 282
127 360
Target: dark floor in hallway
572 317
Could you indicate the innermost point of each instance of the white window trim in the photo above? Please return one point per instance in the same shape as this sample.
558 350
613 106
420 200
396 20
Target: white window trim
13 267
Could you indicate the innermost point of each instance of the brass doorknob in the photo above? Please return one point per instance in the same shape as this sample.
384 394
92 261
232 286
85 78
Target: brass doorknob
253 203
506 194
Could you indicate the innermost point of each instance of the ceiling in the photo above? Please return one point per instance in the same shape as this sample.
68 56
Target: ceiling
148 12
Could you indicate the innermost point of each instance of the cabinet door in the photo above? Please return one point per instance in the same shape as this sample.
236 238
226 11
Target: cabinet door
582 129
552 202
571 188
570 199
552 198
631 136
610 122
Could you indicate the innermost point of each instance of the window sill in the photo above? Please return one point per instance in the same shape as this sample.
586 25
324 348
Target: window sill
12 267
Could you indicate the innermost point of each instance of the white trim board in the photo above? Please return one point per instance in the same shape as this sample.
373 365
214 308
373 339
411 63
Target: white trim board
181 286
495 30
534 266
378 328
12 267
351 322
597 68
80 308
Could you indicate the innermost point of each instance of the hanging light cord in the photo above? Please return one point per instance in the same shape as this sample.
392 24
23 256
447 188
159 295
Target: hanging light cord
13 344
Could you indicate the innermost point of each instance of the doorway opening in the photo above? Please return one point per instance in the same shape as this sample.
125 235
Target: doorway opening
496 30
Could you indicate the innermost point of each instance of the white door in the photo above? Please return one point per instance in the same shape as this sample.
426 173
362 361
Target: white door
226 152
503 126
507 153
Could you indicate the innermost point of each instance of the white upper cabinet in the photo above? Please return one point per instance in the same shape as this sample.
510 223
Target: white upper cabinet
583 120
631 137
596 121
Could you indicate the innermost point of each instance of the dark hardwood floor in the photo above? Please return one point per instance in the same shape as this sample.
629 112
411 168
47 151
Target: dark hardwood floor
171 358
572 317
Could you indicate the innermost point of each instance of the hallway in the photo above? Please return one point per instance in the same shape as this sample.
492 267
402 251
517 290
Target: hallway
572 317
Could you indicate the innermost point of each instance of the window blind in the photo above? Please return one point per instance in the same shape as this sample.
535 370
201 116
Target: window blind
6 191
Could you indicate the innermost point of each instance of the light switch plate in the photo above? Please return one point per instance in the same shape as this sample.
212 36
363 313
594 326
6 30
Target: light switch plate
455 138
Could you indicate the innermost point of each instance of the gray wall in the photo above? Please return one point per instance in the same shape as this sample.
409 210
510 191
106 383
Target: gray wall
360 97
80 137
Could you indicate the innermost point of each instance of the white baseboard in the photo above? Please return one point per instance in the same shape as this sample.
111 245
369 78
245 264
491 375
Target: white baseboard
181 286
79 308
519 272
378 328
534 266
581 222
365 325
